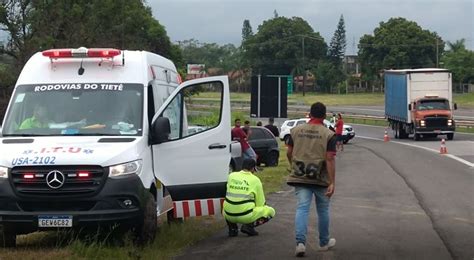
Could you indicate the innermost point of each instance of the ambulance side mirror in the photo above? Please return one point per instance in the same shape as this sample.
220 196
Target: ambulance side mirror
160 130
455 108
409 107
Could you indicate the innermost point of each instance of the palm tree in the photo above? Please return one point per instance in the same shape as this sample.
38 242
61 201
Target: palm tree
457 45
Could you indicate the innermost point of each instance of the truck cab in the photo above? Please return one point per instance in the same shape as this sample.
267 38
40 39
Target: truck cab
105 137
432 116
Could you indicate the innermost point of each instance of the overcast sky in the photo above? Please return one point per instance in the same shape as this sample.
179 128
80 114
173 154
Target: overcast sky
220 21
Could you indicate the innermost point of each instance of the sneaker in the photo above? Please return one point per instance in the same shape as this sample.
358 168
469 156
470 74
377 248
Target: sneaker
249 230
329 245
300 250
233 232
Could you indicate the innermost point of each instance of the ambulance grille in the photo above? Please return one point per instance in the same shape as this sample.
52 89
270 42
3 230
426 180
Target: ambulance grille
73 185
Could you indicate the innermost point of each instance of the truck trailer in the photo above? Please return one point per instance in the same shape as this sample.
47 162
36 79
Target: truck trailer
419 102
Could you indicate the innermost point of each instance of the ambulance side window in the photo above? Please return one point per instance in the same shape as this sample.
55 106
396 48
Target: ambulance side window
194 110
173 113
151 104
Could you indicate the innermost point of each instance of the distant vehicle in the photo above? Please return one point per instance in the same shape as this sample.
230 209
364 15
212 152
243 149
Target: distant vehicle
287 125
348 131
419 102
265 145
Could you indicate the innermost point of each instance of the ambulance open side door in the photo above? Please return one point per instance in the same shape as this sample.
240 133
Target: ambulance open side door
190 137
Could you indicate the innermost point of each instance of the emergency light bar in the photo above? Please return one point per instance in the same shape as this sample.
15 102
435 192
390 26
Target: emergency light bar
81 53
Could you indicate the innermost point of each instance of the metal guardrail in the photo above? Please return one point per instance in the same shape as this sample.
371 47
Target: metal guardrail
302 112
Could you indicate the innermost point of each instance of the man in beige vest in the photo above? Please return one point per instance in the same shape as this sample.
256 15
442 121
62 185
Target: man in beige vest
311 152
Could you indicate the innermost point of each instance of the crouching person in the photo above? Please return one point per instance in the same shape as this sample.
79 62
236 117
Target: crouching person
245 201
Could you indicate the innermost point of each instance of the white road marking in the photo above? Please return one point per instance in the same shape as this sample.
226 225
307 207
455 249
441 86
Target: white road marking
461 160
378 126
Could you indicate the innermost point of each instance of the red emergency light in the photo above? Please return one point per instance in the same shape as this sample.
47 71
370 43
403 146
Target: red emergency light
83 174
81 53
28 176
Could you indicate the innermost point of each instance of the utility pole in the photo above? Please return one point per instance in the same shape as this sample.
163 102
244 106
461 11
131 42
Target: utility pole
304 66
437 58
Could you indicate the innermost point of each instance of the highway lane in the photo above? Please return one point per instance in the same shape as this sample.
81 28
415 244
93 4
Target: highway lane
392 201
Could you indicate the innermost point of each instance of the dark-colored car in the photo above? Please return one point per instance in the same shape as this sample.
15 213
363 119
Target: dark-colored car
265 145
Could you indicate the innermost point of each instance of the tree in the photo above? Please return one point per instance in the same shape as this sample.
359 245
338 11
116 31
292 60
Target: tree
211 54
337 47
459 60
246 31
277 47
398 43
328 75
457 45
37 25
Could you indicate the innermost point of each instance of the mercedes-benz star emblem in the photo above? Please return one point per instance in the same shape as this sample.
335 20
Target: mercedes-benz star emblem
55 179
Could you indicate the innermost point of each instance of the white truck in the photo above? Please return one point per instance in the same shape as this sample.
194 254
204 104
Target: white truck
100 137
420 102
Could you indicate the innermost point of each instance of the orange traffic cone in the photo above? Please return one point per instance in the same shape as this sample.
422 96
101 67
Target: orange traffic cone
443 149
385 136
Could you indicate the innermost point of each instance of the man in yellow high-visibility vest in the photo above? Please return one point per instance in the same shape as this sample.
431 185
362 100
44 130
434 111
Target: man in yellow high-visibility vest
245 201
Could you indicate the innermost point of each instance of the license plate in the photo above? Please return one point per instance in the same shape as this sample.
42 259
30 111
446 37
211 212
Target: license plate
437 131
55 221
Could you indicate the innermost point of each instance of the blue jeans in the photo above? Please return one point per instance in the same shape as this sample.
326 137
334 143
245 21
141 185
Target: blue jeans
304 196
250 154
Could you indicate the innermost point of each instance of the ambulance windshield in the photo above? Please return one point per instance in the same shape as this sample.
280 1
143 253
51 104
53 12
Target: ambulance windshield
75 109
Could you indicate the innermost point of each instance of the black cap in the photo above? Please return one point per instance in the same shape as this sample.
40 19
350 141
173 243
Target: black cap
249 164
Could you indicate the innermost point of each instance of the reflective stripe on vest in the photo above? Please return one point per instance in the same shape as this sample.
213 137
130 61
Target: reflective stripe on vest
239 202
241 196
238 214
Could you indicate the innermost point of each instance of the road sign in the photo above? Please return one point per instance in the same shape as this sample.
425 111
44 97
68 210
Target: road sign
290 84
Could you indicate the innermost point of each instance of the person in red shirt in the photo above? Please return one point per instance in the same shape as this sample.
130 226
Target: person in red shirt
238 134
339 127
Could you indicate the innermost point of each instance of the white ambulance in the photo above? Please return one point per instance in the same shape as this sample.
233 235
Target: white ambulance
104 136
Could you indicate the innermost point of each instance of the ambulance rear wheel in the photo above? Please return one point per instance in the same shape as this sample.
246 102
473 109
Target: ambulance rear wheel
450 136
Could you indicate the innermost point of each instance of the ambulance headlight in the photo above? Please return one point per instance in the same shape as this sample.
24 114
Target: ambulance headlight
422 123
450 122
3 172
134 167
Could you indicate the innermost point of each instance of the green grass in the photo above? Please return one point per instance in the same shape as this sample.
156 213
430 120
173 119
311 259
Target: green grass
273 178
464 100
367 99
170 241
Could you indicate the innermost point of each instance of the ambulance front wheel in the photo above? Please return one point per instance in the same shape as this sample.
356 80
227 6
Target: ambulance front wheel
146 230
7 238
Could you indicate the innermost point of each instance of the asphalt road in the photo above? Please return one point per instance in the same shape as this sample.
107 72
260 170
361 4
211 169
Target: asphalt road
462 146
392 201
